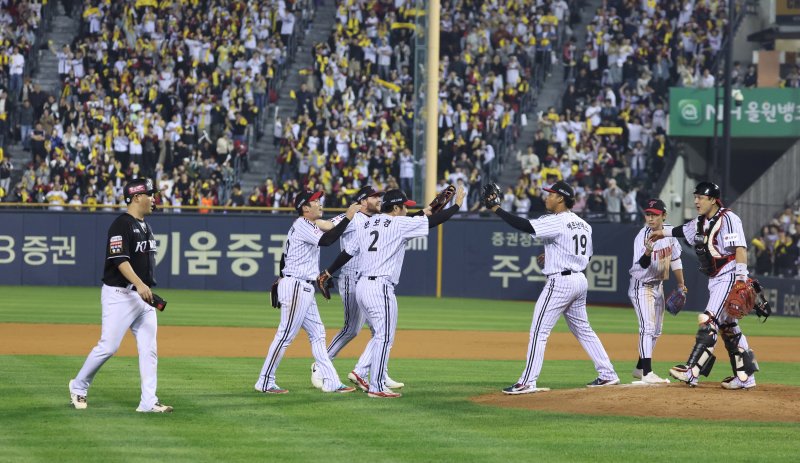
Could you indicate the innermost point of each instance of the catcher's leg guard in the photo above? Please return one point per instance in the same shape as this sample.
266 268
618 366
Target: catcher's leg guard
743 362
702 357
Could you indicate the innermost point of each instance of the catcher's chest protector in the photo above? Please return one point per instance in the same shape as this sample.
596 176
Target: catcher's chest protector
711 261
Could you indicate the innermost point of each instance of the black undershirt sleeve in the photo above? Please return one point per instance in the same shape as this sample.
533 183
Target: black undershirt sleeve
443 216
330 236
677 232
515 221
341 259
645 260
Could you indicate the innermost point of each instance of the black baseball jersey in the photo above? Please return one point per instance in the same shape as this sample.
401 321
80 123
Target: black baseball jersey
130 240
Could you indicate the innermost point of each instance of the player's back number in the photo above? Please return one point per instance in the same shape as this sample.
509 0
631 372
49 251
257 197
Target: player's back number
580 244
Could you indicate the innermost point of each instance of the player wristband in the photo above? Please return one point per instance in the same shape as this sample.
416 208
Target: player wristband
741 271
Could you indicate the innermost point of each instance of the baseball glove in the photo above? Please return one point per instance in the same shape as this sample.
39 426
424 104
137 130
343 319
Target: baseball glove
325 283
540 260
491 195
441 200
741 300
273 293
676 301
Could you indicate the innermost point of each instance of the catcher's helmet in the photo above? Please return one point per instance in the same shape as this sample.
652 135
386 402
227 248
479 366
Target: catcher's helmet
708 189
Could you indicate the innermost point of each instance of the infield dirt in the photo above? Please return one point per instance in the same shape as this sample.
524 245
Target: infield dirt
767 402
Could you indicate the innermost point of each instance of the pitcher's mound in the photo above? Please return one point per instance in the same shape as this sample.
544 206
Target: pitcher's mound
765 402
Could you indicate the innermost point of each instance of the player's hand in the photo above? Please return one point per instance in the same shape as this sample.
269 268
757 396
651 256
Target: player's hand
648 247
351 211
460 195
656 235
145 293
683 288
427 211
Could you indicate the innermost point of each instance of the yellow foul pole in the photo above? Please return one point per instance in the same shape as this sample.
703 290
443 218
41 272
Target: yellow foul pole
431 101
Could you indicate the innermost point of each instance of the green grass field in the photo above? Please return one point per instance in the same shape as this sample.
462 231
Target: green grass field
219 417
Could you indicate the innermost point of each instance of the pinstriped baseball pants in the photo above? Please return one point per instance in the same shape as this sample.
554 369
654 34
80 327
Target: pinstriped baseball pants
564 294
298 310
378 300
648 303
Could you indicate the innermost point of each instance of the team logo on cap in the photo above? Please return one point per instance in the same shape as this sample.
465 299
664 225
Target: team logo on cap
136 189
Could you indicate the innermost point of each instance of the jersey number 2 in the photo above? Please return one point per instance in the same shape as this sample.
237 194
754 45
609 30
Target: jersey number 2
375 235
580 242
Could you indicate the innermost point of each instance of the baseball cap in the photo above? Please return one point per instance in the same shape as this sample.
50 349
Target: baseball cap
366 192
395 198
305 197
138 186
655 206
561 187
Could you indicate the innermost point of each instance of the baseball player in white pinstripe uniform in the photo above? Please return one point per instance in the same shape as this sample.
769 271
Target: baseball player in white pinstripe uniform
299 269
568 248
651 264
354 316
381 242
719 242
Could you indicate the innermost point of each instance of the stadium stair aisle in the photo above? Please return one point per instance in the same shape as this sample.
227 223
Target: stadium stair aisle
263 155
549 95
62 31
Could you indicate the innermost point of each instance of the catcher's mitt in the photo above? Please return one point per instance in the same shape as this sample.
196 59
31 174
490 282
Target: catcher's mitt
741 300
441 200
491 195
324 283
273 293
675 301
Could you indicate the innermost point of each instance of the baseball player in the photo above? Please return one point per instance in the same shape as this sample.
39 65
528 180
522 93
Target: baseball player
126 298
381 242
299 268
567 248
354 316
651 264
719 242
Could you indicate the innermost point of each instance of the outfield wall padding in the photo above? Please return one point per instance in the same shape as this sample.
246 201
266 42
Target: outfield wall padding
481 258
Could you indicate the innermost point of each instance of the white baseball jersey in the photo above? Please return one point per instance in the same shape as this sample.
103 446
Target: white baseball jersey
350 269
567 242
728 235
666 254
382 243
302 250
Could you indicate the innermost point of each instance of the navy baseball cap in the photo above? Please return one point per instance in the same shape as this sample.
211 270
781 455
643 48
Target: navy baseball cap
366 192
561 187
395 198
305 197
139 186
655 206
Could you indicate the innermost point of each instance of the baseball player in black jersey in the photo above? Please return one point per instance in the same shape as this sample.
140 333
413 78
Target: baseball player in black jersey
126 298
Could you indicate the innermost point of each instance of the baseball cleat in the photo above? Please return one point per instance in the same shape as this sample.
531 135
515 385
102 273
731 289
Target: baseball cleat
653 378
77 401
342 389
637 373
272 390
385 394
733 382
316 376
519 388
684 374
358 381
599 382
392 384
157 408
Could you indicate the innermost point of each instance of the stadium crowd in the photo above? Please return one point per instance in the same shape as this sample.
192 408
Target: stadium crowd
168 90
775 250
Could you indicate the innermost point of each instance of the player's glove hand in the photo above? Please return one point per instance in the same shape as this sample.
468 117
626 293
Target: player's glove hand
676 301
325 283
741 300
491 195
441 199
273 294
540 261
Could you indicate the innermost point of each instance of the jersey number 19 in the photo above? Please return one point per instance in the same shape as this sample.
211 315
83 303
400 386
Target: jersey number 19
580 244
